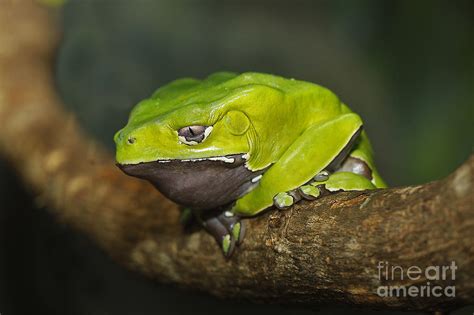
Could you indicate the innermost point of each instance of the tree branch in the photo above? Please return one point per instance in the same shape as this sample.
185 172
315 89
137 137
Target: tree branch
323 251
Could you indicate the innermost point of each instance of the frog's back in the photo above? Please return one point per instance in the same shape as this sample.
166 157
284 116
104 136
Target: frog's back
184 92
220 84
312 102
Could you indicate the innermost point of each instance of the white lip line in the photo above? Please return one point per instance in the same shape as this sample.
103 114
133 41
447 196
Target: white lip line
224 159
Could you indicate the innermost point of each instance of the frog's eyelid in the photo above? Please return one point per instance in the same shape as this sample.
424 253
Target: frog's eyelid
184 141
207 132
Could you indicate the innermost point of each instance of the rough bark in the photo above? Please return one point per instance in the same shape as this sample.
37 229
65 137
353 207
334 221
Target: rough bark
324 251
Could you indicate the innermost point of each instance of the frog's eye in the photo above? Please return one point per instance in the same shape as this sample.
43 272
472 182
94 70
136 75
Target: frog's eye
192 135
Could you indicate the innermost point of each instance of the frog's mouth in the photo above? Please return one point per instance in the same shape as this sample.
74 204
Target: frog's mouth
207 183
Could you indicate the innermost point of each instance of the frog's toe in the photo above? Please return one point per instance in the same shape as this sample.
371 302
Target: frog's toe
222 235
309 192
285 200
238 231
228 245
321 176
234 225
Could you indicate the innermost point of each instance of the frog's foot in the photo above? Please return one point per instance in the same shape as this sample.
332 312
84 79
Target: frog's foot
227 229
285 200
346 181
309 191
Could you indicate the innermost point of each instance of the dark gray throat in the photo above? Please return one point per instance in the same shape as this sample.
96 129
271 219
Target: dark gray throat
199 184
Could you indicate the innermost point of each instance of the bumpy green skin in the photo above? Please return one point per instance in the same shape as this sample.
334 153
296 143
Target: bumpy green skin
295 128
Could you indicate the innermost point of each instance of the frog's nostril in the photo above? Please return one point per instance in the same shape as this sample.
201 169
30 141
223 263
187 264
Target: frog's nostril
131 140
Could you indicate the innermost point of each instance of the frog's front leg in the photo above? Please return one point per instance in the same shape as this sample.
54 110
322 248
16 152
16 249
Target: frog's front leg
226 228
319 147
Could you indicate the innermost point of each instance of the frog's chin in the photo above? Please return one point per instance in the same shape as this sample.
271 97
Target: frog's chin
204 183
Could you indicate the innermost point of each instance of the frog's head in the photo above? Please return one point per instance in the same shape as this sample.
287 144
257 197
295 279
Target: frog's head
193 139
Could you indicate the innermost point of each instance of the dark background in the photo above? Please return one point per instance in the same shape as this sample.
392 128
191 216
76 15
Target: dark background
407 67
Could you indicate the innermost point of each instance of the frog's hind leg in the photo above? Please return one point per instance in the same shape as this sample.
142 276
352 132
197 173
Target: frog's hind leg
353 174
286 181
344 181
352 169
345 173
315 188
